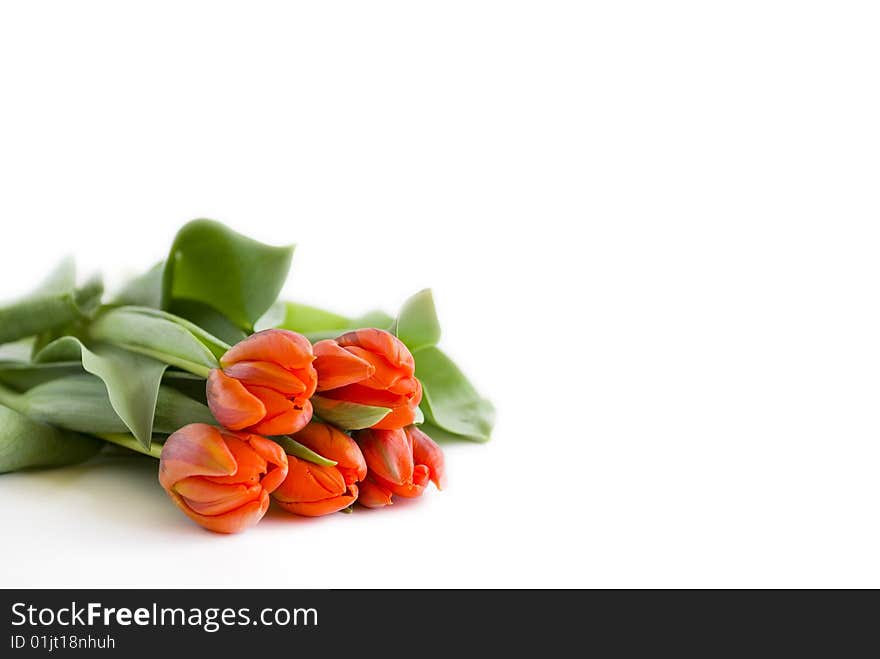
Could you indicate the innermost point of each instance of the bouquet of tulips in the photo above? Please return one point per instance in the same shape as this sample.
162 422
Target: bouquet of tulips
242 397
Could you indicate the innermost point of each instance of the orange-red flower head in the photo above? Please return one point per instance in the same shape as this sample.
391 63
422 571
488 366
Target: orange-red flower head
370 367
399 462
221 479
265 384
312 489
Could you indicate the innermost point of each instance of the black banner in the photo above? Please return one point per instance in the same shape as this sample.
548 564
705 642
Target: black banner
219 623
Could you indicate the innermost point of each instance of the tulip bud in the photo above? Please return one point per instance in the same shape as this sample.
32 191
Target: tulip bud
221 479
314 490
265 384
400 462
370 367
428 453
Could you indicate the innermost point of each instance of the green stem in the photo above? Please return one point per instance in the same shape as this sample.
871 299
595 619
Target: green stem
129 442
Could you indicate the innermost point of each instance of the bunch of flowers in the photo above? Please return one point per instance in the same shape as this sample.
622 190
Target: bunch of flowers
244 399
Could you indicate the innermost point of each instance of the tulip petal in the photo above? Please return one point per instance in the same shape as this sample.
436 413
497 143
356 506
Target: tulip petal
335 445
373 495
338 367
410 489
399 417
309 377
357 393
323 507
309 482
206 498
274 402
411 388
235 521
267 374
231 403
381 343
388 454
287 423
275 458
428 453
385 374
251 467
288 349
195 450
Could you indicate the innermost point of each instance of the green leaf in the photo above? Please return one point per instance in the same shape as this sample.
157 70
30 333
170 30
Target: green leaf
132 384
188 384
440 435
217 346
144 290
294 448
159 335
302 318
377 318
81 403
25 375
63 349
317 324
88 298
417 325
347 416
132 380
450 401
209 319
54 304
27 443
274 317
238 276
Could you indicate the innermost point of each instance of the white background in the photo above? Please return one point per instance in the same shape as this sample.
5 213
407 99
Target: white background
652 232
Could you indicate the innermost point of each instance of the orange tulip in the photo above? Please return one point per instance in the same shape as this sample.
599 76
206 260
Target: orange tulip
314 490
221 479
370 367
399 462
265 384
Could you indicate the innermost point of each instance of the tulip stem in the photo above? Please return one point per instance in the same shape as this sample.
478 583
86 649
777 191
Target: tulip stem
129 442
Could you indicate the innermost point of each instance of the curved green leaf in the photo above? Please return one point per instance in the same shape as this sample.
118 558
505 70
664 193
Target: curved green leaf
25 375
81 403
417 325
449 400
132 384
317 324
440 435
27 443
294 448
160 335
301 318
347 416
63 349
212 264
132 380
209 319
217 346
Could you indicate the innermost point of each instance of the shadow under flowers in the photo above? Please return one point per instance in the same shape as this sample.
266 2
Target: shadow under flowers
121 486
